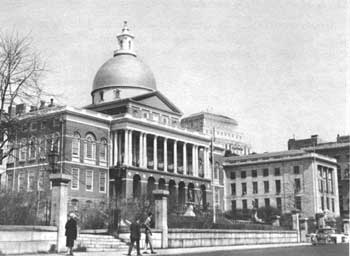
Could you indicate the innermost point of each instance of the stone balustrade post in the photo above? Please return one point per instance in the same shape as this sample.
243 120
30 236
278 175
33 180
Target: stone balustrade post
161 214
59 207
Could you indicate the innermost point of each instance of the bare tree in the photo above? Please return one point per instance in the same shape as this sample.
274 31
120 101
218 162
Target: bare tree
20 70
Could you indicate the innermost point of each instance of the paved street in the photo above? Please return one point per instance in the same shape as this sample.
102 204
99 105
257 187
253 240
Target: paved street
320 250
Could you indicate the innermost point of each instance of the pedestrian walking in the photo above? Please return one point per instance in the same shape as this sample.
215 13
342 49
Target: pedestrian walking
148 233
71 232
135 235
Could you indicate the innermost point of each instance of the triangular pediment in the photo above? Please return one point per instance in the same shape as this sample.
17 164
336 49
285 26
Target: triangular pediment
158 101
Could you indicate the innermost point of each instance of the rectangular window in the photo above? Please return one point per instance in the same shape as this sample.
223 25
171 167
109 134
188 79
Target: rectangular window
266 172
243 174
278 187
31 181
296 169
89 180
333 206
298 202
41 180
255 187
279 203
256 203
266 187
102 181
322 203
75 178
297 185
21 181
277 172
327 203
233 205
244 188
10 181
267 202
233 189
254 173
233 175
244 204
23 152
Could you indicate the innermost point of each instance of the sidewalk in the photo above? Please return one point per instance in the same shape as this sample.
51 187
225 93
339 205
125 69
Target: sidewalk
178 251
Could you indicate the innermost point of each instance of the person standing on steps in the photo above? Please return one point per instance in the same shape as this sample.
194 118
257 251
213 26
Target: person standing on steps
148 234
135 235
71 232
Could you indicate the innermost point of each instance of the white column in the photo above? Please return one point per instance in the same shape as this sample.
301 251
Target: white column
144 138
119 147
165 148
130 148
206 163
185 158
126 147
193 159
175 156
141 150
155 160
195 173
115 147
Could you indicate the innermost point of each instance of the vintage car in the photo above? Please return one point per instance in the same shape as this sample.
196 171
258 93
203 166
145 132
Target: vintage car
327 235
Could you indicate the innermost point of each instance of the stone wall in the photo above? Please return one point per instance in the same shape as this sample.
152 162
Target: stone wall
181 238
27 239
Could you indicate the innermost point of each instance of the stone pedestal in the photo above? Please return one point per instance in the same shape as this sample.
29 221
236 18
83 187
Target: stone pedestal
161 214
304 229
59 206
295 219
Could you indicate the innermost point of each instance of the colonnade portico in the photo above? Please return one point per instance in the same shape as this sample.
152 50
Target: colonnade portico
151 151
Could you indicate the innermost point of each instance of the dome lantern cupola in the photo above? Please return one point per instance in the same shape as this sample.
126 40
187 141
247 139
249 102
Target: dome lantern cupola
124 75
125 41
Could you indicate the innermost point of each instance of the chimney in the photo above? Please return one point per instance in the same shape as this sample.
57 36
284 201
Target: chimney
33 108
51 103
20 109
42 104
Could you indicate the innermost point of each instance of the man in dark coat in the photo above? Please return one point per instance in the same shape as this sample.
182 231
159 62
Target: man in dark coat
71 232
135 235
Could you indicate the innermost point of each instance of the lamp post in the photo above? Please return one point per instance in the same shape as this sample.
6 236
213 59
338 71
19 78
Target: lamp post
59 198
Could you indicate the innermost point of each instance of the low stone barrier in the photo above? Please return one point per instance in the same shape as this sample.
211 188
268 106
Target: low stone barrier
27 239
182 238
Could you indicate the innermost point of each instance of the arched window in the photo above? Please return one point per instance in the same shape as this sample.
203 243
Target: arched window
190 192
42 148
32 148
90 147
76 145
23 150
136 188
103 150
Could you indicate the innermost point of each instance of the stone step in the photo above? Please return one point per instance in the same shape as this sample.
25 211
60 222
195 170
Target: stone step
107 250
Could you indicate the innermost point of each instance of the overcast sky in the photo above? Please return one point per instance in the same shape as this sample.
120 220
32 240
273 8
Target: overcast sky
277 67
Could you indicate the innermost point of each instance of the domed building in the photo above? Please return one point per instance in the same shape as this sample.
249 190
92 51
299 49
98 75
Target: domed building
125 144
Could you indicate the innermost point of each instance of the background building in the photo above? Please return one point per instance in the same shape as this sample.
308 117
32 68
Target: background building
285 180
226 140
339 150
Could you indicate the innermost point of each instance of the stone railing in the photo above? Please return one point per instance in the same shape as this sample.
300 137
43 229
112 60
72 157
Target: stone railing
27 239
181 238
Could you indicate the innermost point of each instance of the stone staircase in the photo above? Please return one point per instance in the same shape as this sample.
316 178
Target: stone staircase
100 243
